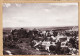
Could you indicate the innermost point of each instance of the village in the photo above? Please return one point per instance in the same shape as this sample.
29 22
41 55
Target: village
62 41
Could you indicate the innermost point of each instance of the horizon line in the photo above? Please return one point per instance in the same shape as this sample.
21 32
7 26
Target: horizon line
40 27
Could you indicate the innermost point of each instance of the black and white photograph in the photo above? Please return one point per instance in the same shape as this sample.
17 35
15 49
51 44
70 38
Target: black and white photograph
40 29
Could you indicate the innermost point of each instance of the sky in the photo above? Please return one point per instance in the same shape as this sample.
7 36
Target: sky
40 14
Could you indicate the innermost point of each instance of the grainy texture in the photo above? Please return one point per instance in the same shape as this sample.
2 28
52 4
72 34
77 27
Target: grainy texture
27 2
